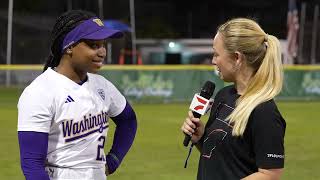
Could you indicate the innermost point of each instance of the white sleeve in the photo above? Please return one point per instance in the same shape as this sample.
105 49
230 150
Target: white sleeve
34 111
118 101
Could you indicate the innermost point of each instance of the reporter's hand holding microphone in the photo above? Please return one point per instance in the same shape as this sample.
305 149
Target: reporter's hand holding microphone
193 127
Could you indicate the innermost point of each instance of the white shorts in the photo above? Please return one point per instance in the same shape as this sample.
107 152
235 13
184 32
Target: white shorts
56 173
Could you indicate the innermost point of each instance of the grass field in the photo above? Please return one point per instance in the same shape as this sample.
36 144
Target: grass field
158 152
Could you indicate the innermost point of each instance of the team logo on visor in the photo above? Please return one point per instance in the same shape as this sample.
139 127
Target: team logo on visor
98 21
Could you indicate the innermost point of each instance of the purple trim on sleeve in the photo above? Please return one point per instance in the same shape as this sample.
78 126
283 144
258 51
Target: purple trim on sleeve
123 137
33 153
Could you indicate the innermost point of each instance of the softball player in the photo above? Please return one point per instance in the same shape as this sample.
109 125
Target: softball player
63 115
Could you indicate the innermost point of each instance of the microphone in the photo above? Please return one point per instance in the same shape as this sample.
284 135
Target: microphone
200 104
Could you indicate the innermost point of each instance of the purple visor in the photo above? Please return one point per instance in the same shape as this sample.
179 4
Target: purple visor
91 29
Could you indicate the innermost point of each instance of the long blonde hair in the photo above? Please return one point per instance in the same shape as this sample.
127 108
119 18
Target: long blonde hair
262 53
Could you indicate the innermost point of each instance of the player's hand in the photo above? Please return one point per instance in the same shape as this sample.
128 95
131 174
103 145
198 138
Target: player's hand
193 127
111 164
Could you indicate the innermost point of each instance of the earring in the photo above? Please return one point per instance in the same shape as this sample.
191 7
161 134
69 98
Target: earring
69 51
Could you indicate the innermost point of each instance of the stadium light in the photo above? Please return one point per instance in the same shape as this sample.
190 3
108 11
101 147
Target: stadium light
171 44
173 47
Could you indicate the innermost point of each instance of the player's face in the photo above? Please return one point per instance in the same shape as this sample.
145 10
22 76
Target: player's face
88 55
222 60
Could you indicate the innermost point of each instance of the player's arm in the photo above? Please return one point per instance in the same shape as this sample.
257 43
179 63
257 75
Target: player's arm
34 121
33 152
126 127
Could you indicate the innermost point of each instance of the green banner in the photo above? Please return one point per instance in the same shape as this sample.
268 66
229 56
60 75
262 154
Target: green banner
181 85
161 86
301 84
175 83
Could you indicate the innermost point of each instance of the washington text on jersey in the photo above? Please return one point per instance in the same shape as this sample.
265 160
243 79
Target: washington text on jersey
93 123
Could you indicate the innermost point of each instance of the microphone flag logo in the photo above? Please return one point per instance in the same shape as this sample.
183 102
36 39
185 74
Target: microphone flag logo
200 104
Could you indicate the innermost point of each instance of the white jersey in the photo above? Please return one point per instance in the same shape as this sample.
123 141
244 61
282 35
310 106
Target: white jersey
75 117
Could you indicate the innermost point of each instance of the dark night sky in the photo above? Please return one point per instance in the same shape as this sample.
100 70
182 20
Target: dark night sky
33 19
200 20
171 18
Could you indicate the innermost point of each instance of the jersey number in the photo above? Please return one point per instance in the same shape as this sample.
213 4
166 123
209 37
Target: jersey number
101 147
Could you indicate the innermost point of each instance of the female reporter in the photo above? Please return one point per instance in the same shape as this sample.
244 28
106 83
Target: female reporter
63 115
244 136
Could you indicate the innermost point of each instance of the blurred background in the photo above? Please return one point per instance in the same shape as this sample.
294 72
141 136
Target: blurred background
161 62
163 31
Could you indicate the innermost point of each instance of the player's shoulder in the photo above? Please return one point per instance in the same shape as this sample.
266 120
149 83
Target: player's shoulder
98 79
40 85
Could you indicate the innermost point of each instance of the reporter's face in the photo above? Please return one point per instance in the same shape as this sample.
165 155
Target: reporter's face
222 60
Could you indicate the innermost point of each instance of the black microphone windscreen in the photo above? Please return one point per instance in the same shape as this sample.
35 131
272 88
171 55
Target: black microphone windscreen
207 90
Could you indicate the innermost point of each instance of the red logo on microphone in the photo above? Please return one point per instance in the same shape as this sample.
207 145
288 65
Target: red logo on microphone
200 104
202 101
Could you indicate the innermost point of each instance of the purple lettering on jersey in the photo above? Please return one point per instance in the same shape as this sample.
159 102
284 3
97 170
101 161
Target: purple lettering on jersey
73 130
67 129
83 126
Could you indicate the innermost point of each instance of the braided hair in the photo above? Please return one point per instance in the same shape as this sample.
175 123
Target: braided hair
64 24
